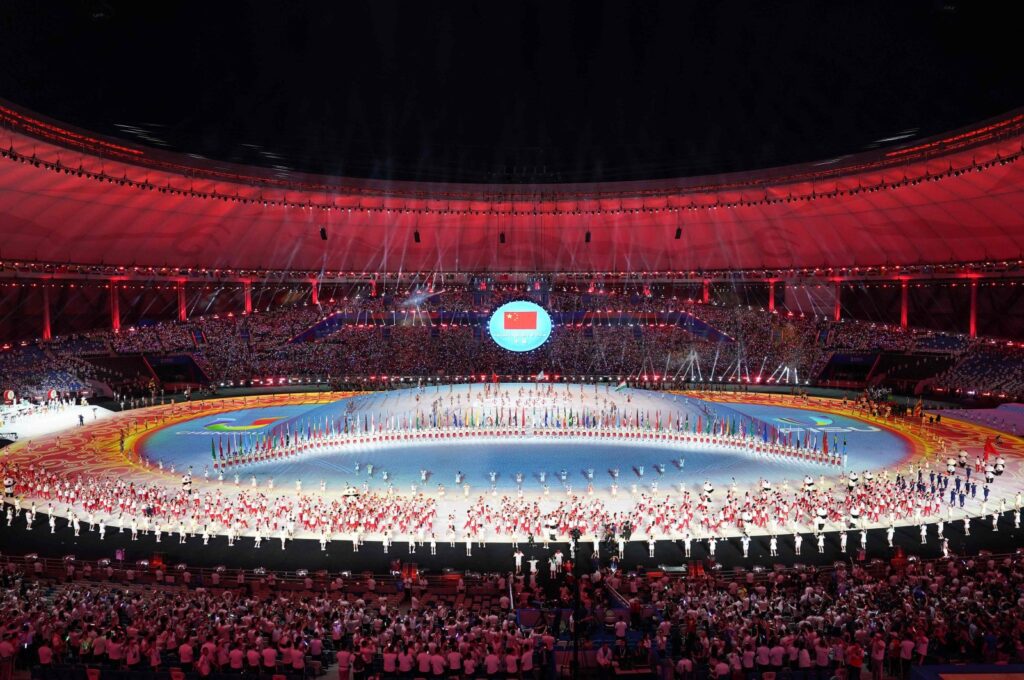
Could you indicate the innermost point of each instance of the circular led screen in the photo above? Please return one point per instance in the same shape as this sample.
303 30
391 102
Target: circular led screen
520 326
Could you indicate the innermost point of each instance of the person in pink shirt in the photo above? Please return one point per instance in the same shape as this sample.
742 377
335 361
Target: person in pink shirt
186 655
511 662
115 651
219 656
423 661
269 655
526 661
406 661
821 659
152 653
684 668
211 649
760 655
45 655
132 654
253 658
469 665
776 656
878 649
99 648
454 660
906 654
492 663
437 664
344 659
6 657
390 657
921 647
204 665
236 658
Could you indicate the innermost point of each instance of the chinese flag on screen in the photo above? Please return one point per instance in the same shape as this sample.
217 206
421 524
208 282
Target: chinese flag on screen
520 321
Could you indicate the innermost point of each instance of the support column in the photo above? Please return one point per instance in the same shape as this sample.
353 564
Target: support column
771 295
115 308
707 291
314 292
47 334
182 311
974 309
247 289
838 311
904 305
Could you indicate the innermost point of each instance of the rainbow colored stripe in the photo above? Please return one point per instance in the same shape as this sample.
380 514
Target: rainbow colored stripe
818 421
221 425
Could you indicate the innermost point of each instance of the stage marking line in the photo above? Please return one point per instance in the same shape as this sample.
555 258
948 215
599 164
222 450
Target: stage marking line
966 435
917 445
95 448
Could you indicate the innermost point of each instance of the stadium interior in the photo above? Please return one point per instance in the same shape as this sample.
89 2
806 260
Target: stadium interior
522 340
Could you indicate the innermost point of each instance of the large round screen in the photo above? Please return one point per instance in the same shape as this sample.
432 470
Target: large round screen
520 326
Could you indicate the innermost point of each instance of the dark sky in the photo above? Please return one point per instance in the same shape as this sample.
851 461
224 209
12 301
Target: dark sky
521 91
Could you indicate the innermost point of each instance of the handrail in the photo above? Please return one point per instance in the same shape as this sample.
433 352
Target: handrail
356 582
199 576
761 575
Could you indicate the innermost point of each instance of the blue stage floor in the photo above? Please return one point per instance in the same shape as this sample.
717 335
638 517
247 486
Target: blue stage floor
189 444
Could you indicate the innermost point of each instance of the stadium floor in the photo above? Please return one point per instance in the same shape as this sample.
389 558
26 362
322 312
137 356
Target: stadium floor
484 460
177 434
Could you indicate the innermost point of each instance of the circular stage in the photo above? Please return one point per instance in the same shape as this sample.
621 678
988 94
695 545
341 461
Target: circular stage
522 435
458 461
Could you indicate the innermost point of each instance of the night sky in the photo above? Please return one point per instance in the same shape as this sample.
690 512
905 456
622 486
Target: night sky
514 91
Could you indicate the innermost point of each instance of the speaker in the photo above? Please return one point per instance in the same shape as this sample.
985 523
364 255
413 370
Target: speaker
586 238
416 236
679 233
501 237
323 233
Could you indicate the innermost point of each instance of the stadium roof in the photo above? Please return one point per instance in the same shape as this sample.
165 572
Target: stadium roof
68 196
515 91
523 136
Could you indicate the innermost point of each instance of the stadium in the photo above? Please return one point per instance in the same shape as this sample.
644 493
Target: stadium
511 340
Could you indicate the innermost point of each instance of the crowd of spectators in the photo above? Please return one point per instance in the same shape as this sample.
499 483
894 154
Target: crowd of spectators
214 629
31 372
754 344
612 349
811 623
844 621
994 368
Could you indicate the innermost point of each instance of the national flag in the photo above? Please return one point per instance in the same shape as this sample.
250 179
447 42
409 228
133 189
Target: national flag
621 386
990 448
541 376
520 321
